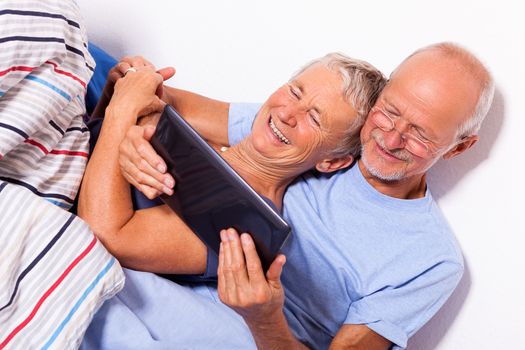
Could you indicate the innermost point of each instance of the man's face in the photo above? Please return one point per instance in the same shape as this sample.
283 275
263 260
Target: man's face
427 99
303 119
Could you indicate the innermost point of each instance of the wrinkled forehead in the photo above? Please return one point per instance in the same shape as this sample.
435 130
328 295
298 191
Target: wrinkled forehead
321 85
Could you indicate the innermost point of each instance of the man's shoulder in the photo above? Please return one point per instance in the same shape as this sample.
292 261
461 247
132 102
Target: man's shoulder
348 208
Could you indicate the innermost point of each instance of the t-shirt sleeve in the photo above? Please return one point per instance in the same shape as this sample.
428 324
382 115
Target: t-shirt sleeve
240 119
397 312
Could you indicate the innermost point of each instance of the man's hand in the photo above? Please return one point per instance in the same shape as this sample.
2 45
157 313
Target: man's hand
259 299
242 284
141 165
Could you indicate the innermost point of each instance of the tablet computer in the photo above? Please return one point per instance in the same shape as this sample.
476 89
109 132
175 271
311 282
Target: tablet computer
209 195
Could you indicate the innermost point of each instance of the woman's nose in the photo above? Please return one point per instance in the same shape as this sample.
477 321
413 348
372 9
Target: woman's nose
289 115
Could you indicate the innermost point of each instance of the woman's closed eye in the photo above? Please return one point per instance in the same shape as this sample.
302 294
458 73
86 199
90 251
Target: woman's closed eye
314 116
295 92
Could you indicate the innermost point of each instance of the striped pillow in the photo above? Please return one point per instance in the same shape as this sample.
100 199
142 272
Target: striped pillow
54 273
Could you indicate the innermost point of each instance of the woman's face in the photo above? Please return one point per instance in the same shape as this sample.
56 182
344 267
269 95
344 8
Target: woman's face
303 120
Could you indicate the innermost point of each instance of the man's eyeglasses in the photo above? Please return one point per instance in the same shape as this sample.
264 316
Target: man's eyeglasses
413 143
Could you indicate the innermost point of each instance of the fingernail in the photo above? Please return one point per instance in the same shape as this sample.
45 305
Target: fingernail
231 235
167 190
245 240
169 182
223 235
161 167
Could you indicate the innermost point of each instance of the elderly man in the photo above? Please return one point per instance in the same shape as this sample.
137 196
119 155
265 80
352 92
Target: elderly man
371 257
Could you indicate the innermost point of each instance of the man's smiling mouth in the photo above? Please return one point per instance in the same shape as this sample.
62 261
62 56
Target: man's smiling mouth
278 133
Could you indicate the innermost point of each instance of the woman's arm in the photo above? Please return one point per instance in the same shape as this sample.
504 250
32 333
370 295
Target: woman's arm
140 164
153 239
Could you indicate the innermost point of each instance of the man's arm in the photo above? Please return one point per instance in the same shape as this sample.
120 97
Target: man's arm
358 337
259 299
208 116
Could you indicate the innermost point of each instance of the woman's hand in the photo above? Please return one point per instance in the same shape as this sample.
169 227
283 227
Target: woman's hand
127 62
135 96
141 165
118 72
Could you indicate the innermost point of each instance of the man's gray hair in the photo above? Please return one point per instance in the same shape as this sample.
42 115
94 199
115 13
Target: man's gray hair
479 72
361 86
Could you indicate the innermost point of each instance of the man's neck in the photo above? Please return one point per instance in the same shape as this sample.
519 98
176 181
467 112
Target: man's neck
410 188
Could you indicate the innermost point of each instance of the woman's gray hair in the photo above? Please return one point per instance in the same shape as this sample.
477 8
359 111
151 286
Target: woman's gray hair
361 86
479 72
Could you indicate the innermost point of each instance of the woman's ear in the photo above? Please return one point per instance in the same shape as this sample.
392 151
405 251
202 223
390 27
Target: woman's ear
465 143
333 164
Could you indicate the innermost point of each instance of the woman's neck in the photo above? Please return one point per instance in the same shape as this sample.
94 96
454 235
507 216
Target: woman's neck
258 171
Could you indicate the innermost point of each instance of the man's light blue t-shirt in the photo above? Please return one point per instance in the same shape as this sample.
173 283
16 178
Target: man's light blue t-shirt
357 256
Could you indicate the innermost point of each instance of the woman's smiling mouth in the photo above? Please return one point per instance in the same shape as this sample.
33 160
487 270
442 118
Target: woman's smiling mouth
278 133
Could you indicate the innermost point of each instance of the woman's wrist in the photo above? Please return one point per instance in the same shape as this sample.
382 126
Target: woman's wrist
120 112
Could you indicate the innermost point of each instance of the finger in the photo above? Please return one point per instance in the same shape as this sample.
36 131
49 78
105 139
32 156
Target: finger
136 61
122 67
221 280
137 155
139 148
131 180
147 184
253 262
163 185
237 258
149 130
143 173
149 192
117 71
139 61
273 275
166 73
229 279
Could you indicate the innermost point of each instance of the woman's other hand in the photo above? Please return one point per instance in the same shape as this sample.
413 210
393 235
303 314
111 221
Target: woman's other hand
120 69
141 166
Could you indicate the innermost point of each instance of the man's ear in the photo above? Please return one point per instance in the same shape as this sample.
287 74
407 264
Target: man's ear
333 164
465 143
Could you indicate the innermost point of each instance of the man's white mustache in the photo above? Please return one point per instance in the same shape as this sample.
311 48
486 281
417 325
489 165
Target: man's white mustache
402 154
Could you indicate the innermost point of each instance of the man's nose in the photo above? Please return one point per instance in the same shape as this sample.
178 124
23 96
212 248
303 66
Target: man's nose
394 138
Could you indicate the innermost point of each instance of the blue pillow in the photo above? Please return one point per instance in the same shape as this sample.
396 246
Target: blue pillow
104 63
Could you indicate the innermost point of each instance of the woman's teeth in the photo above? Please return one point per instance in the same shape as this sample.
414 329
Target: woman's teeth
278 133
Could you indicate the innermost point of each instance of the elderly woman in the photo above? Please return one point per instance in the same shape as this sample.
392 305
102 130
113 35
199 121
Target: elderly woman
313 121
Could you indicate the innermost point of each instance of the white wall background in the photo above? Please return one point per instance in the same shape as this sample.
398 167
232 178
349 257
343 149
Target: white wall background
243 50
